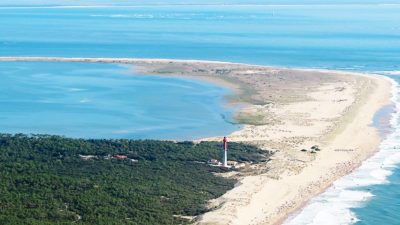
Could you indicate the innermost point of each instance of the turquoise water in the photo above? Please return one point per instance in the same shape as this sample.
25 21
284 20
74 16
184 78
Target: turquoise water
106 101
381 209
384 204
103 101
359 37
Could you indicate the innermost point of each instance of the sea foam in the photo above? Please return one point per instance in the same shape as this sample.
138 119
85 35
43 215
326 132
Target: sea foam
334 205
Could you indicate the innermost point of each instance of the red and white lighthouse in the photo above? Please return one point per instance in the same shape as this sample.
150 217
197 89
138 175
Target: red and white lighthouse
225 153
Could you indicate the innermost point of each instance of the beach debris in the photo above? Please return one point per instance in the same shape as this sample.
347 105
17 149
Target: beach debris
303 150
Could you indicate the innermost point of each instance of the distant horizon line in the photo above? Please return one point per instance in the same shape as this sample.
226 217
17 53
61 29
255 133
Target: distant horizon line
188 4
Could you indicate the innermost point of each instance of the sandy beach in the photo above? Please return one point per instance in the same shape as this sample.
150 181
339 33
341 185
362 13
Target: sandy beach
269 198
315 122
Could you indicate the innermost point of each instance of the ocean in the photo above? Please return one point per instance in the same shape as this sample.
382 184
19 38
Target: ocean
361 37
95 100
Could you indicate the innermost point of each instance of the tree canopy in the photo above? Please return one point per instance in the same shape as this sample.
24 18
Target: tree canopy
43 179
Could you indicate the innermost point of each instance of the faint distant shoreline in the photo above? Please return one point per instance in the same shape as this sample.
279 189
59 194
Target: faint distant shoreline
100 60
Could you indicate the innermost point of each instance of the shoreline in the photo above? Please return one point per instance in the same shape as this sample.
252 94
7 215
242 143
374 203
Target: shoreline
383 136
298 209
305 202
353 168
331 109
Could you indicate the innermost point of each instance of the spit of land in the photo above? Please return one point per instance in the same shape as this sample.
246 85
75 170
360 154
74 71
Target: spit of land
307 117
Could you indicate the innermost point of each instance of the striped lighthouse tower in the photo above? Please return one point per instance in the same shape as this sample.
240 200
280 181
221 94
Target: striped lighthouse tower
225 153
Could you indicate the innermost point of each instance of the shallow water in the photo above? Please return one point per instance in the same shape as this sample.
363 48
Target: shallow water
349 35
106 101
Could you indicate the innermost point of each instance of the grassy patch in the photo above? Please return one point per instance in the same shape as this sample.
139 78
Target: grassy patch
250 119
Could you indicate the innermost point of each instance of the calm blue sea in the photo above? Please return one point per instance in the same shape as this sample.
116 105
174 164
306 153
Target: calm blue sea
106 101
357 37
96 100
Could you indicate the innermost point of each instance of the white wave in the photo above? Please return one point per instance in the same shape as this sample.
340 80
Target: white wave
119 15
395 72
392 160
136 16
76 89
333 206
121 132
85 100
380 174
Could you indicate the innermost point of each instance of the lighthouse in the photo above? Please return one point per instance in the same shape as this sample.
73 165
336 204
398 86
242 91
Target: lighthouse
225 153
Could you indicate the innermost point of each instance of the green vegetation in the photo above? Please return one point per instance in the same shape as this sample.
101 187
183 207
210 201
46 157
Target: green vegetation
250 119
43 180
163 71
245 94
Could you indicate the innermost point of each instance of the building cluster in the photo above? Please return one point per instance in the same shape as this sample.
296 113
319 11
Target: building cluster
225 162
230 164
212 162
86 157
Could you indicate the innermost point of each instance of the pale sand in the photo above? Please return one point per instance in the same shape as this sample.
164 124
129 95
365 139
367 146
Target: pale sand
268 198
306 107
